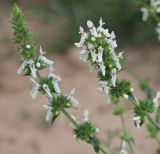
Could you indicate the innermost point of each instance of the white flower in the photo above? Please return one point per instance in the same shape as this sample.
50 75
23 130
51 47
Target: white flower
90 46
32 68
123 149
82 41
137 121
101 23
49 115
41 52
114 77
74 102
55 80
91 68
31 65
116 59
113 36
85 115
81 30
43 58
120 55
100 28
100 55
102 68
144 13
35 88
112 43
22 67
156 100
106 33
90 24
94 55
92 28
84 55
47 90
104 87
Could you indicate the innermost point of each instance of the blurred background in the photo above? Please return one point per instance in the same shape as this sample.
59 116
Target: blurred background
55 25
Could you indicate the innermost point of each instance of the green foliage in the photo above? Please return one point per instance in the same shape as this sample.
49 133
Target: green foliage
58 103
144 107
22 35
122 87
152 130
158 151
119 110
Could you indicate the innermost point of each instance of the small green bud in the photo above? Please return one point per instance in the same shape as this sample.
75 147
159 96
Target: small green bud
57 112
38 64
97 130
93 39
132 89
99 35
110 65
28 46
68 104
125 96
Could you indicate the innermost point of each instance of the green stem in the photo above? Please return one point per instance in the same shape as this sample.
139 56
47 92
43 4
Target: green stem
76 124
125 130
153 122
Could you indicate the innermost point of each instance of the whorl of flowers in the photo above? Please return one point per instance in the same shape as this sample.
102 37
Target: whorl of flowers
152 10
98 50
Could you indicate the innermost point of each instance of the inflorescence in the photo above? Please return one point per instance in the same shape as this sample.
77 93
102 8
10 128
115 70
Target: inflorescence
98 51
32 64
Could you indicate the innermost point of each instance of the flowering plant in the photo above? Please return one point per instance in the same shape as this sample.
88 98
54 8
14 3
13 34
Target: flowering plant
98 51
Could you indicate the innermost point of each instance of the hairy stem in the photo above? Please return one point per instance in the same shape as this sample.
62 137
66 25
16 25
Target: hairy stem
125 130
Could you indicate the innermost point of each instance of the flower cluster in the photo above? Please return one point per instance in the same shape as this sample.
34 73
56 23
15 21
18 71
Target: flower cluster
141 110
153 9
31 65
98 50
86 131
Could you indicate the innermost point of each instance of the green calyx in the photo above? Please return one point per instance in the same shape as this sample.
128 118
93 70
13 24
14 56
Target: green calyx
144 107
86 131
49 82
58 103
123 87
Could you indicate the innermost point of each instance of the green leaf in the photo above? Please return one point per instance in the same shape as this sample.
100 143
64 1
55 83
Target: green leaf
119 110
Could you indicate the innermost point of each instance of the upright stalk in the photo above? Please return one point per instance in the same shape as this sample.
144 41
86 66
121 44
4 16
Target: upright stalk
125 130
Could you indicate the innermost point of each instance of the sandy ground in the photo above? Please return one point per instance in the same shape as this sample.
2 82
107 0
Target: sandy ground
22 128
